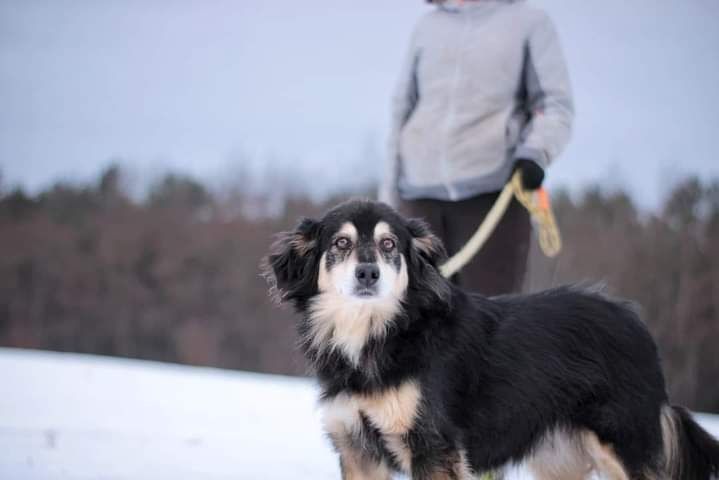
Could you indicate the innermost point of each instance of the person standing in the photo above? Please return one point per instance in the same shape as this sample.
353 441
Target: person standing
484 91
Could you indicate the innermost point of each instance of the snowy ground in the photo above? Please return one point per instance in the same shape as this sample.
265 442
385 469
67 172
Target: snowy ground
68 416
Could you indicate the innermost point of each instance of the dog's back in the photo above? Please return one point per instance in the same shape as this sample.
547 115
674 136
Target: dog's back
570 378
570 363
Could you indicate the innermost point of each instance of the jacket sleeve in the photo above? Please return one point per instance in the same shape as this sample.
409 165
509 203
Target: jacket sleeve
404 101
549 96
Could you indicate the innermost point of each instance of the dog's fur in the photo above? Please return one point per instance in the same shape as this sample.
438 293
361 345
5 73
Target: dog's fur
422 377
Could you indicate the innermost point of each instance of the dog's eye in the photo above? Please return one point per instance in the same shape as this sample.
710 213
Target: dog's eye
343 243
387 244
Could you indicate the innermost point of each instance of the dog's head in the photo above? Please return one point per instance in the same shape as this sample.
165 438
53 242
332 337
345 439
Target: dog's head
362 254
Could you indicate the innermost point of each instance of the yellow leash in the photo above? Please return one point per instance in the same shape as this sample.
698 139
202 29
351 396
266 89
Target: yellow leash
538 206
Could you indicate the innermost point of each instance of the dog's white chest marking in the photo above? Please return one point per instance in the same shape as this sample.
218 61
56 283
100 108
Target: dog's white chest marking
392 412
339 323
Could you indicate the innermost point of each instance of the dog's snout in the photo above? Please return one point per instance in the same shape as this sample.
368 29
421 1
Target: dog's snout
367 274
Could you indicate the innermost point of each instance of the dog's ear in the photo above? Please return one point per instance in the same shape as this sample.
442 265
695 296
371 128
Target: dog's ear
290 268
426 254
426 243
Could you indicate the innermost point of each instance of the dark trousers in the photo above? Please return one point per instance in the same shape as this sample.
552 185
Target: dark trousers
499 267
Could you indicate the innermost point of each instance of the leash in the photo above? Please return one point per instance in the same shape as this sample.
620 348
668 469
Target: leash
537 204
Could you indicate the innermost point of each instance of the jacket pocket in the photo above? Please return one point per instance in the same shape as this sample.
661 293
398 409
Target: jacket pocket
513 131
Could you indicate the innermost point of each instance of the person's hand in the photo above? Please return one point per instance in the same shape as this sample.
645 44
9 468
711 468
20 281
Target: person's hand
532 173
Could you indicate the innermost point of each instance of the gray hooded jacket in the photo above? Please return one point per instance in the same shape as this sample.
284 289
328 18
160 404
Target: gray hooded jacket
485 84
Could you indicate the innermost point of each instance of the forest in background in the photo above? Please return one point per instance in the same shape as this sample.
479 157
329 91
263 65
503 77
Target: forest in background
174 276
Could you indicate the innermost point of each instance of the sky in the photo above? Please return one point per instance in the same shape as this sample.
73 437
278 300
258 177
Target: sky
214 88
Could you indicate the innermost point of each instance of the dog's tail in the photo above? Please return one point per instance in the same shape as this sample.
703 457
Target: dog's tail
690 452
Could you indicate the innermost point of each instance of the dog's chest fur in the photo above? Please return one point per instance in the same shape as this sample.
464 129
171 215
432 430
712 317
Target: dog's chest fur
392 412
335 324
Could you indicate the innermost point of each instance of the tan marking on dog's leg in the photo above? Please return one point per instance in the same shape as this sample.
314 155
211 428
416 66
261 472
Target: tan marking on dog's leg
342 422
458 469
462 467
399 449
554 472
603 457
393 413
356 467
340 415
560 456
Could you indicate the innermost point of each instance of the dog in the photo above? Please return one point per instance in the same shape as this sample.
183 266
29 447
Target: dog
421 377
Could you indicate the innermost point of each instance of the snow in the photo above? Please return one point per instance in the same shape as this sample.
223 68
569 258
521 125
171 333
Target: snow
71 416
86 417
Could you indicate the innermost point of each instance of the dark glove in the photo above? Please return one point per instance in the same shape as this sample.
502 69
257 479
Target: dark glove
532 173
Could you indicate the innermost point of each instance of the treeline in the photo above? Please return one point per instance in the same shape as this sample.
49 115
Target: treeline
667 261
174 276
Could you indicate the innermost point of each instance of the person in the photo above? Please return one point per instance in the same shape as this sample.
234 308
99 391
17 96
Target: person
484 91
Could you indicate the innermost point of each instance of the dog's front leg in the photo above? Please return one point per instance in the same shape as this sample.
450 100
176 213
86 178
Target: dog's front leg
441 464
362 456
359 459
355 467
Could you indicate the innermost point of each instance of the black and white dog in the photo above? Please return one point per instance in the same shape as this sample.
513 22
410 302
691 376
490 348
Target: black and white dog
421 377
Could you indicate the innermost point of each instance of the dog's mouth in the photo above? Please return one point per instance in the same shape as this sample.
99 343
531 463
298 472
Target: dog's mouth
364 292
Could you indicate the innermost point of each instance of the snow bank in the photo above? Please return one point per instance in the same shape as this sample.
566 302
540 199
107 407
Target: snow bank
75 416
80 416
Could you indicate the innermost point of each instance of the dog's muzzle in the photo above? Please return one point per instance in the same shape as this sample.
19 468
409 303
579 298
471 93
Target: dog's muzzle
367 276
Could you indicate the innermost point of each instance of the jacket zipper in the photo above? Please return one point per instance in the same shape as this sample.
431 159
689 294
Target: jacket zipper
451 113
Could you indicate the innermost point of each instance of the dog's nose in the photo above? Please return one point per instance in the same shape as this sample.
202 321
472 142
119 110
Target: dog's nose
367 274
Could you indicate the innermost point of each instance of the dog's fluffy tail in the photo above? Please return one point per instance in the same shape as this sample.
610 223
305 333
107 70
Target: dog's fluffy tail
690 452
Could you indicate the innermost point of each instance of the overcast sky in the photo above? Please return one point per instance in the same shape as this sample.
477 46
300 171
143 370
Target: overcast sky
205 86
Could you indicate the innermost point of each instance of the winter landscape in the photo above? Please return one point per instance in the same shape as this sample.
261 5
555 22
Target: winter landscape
70 416
149 150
